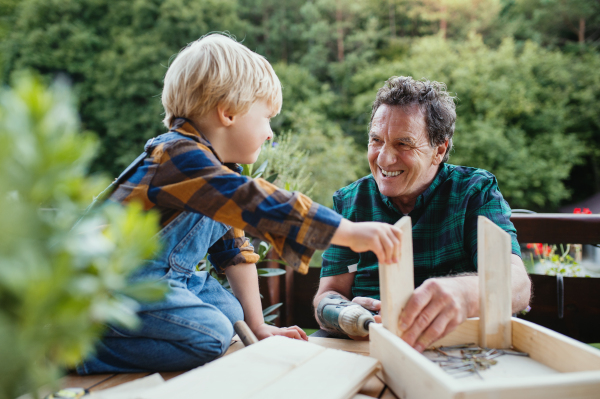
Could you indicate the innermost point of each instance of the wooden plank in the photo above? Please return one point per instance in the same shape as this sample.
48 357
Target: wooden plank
167 375
388 394
493 267
553 349
467 332
584 385
332 374
348 345
407 372
556 228
396 281
240 374
118 379
83 381
130 389
373 387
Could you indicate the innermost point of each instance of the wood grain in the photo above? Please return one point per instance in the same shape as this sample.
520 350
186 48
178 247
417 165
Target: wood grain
553 349
332 374
373 387
493 267
396 281
407 372
348 345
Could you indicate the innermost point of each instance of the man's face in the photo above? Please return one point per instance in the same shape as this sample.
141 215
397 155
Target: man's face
400 157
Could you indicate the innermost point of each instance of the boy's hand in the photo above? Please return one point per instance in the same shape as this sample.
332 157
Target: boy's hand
265 331
381 238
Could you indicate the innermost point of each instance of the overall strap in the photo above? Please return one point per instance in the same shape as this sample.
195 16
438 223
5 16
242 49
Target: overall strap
130 170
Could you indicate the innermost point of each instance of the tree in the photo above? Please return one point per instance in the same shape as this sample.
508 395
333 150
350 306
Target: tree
514 111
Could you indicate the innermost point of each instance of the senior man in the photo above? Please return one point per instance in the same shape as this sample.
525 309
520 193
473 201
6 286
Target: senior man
410 138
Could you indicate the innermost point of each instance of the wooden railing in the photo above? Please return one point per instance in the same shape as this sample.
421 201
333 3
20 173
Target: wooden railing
556 228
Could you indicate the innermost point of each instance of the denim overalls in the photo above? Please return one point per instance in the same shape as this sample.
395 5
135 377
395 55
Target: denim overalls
193 324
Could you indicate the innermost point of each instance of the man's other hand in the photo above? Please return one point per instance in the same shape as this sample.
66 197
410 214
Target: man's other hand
435 309
374 305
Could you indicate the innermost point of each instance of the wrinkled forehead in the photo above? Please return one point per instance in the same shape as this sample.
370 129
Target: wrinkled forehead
399 121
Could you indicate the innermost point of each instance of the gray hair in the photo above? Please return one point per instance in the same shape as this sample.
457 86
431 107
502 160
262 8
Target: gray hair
432 99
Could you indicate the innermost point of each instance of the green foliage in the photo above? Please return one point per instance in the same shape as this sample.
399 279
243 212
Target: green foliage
58 285
330 55
512 113
116 53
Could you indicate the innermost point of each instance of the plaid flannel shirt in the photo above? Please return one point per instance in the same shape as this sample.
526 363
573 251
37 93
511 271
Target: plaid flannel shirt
187 175
444 225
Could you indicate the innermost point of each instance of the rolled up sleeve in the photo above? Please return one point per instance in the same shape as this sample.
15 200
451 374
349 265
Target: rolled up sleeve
231 249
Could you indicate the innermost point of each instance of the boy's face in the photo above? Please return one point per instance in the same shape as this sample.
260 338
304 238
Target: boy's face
245 136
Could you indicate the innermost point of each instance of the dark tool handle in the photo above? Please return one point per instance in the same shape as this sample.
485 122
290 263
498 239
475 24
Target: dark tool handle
245 333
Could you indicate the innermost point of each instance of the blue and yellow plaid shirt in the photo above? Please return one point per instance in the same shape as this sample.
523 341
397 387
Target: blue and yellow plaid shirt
444 225
187 175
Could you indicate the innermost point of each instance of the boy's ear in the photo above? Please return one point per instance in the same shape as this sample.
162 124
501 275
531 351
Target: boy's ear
225 116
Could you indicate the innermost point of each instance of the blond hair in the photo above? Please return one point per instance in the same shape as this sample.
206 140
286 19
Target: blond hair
216 70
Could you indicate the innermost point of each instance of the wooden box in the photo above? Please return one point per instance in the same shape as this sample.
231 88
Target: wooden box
557 366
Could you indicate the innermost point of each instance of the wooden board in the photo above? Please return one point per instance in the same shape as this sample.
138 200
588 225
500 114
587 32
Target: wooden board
396 281
270 367
406 371
493 267
553 349
331 374
348 345
373 387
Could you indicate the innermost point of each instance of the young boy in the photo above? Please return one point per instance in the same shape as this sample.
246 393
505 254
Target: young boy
218 98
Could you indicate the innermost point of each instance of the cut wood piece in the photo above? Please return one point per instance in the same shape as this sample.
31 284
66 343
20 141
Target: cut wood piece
348 345
410 374
553 349
584 385
466 333
493 267
86 381
396 281
362 396
240 374
388 394
129 389
332 374
373 387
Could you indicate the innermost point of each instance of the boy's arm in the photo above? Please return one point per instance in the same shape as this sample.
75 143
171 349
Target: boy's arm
243 279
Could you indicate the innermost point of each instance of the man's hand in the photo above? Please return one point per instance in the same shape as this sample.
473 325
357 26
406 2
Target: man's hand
436 308
265 331
381 238
371 304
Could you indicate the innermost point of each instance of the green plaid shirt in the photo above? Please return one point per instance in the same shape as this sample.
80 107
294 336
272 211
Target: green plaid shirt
444 225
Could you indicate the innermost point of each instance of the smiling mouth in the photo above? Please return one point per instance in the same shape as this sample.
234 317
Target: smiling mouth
391 173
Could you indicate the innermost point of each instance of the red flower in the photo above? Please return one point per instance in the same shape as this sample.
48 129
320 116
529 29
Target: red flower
587 211
577 210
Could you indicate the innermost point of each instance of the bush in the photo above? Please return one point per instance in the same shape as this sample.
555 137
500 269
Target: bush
59 285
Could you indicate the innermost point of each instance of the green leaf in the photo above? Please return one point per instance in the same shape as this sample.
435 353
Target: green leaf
247 169
272 308
260 170
269 319
272 178
270 272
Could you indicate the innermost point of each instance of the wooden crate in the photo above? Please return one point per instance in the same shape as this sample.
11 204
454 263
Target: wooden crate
558 366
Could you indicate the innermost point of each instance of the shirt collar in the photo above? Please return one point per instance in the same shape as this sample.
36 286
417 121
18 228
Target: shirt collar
187 128
424 198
